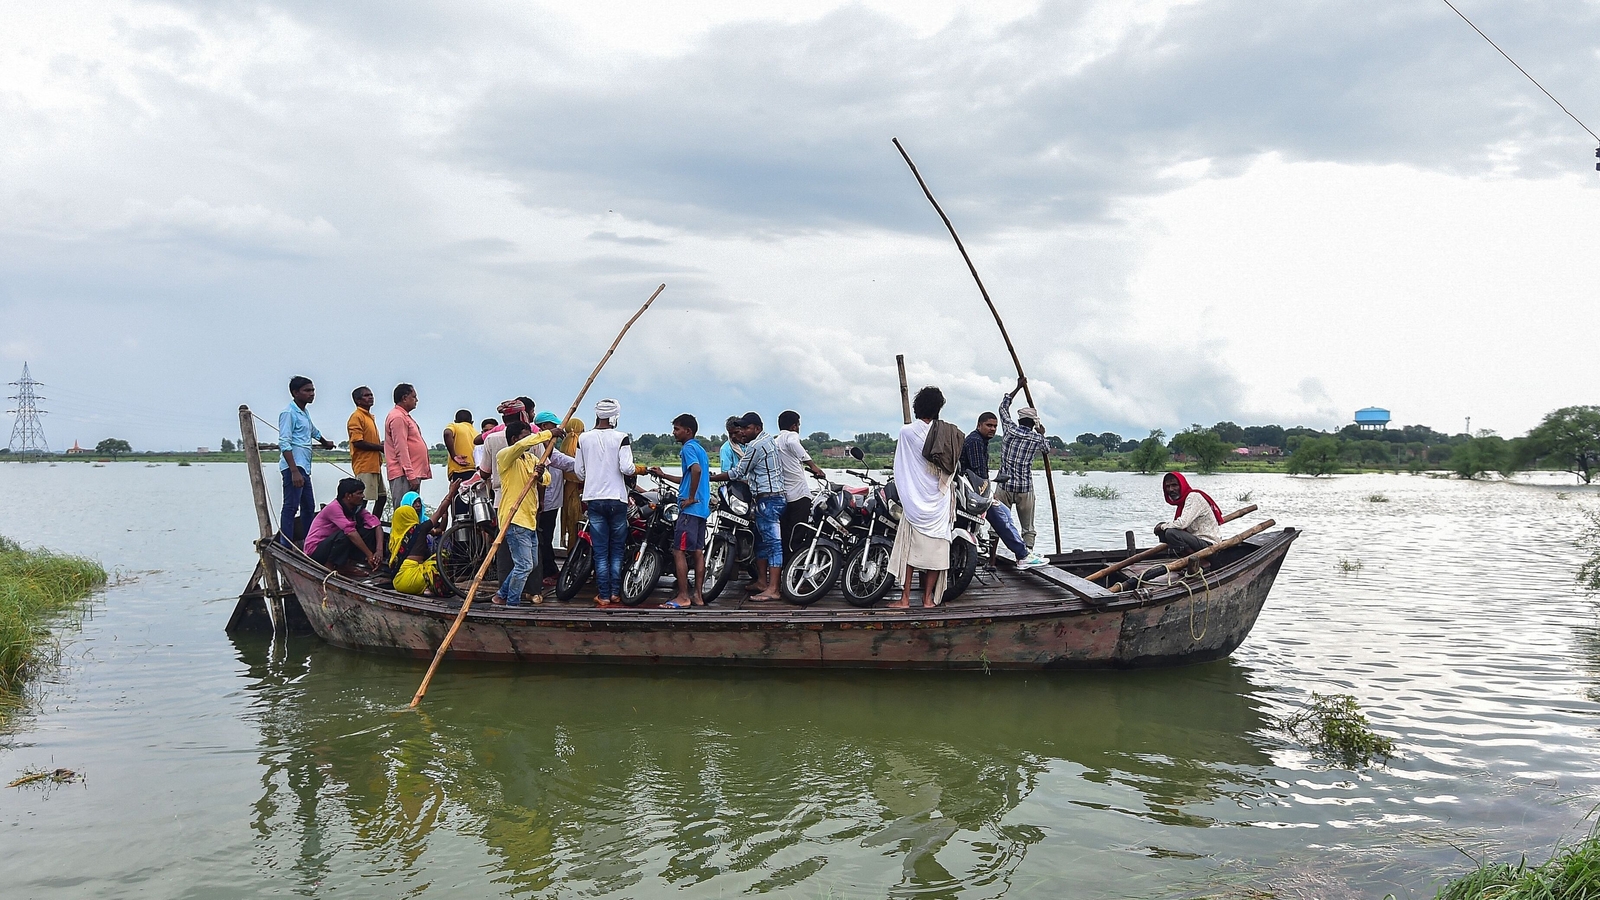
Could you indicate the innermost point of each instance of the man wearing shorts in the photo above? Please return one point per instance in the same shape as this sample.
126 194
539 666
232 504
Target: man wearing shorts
694 507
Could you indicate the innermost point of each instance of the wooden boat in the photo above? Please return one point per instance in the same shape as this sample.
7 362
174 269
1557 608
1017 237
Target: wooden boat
1043 619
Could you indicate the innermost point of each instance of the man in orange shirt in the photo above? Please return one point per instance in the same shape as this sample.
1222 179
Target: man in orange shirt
366 449
405 453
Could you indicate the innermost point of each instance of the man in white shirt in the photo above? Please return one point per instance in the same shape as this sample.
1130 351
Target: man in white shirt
923 539
796 489
604 459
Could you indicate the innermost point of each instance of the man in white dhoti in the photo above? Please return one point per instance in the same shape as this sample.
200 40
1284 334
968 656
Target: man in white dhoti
923 540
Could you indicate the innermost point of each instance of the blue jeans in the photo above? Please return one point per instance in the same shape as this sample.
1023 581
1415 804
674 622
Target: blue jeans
524 546
296 500
1006 528
608 529
769 517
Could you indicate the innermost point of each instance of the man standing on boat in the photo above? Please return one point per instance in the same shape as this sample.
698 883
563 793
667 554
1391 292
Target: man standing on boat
366 449
923 540
459 437
975 464
559 464
694 507
604 459
733 448
761 469
796 491
404 450
1024 441
520 520
295 434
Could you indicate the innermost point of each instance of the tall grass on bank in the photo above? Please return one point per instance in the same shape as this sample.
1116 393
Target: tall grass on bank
1571 873
36 588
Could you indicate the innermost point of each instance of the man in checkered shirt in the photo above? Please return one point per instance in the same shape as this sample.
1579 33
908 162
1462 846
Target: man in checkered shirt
1024 438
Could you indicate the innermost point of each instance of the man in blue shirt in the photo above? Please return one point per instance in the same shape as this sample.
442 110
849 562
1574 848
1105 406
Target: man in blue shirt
295 434
694 507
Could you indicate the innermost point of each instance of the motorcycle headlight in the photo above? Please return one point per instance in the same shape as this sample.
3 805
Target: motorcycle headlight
735 505
670 513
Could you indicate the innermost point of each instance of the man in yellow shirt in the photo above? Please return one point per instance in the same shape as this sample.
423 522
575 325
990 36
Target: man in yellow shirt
458 442
366 449
520 521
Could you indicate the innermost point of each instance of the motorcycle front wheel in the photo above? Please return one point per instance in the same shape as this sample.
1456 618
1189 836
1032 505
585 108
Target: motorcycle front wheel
640 576
810 573
719 566
575 573
866 576
963 562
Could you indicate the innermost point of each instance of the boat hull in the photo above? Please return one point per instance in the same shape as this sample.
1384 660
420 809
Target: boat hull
1029 627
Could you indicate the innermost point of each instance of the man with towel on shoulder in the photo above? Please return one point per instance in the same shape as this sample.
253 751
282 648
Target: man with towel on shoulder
926 456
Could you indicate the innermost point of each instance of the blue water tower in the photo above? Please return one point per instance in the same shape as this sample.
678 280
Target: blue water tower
1372 419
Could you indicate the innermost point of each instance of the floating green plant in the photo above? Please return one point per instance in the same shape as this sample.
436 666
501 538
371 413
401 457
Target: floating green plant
1097 491
1334 726
36 587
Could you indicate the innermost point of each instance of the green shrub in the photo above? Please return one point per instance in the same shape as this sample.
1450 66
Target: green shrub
1571 873
36 588
1097 491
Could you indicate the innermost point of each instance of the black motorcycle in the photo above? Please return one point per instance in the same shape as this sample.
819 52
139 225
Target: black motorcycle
656 512
818 547
867 576
730 537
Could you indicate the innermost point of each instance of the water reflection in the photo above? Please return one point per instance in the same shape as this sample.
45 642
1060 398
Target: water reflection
611 781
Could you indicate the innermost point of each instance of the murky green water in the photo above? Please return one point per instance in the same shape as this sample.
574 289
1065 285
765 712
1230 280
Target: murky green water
218 768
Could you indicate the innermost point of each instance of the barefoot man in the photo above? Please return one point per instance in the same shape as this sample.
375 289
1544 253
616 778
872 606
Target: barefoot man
694 507
923 540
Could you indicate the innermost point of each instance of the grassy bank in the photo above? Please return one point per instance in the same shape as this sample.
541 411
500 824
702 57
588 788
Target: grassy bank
1571 873
37 588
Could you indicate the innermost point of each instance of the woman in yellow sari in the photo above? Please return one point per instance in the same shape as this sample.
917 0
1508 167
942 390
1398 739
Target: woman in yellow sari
572 496
404 519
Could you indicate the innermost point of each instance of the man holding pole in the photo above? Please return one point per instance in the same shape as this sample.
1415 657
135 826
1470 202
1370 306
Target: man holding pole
520 521
1024 438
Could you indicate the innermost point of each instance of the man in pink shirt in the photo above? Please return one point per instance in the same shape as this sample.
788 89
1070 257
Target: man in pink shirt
405 452
344 533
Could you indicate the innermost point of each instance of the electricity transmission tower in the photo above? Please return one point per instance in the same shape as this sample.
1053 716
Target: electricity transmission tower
27 433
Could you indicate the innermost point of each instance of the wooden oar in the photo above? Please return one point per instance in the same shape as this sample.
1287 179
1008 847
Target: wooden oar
1049 477
1178 565
1160 548
549 445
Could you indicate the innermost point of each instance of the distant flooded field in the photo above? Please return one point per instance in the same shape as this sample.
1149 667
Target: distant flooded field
222 768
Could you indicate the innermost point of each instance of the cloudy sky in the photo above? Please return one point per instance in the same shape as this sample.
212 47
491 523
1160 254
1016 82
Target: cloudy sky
1187 211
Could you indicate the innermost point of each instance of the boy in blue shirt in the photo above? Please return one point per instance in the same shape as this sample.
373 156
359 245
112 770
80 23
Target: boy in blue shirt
694 507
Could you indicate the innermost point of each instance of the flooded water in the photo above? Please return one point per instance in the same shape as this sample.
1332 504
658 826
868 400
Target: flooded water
222 768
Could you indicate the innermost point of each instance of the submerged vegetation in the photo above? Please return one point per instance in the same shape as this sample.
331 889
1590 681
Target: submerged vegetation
1571 873
1589 541
1376 498
1097 491
1349 566
1334 726
36 587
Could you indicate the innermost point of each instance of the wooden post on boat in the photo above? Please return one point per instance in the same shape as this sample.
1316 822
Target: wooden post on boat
905 392
1049 477
271 592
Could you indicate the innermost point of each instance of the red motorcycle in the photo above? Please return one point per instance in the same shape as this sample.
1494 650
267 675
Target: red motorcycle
579 567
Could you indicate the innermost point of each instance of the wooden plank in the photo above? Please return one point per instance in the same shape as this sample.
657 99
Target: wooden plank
1081 587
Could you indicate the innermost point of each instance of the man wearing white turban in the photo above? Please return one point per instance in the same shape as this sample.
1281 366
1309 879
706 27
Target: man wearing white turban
604 458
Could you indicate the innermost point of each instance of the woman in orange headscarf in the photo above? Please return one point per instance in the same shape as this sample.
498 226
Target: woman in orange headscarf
572 498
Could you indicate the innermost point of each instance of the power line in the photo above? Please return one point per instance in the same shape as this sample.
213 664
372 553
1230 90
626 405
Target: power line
1525 74
27 431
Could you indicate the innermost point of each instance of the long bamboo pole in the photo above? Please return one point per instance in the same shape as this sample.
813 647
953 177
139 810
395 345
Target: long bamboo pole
549 445
905 391
258 490
1049 477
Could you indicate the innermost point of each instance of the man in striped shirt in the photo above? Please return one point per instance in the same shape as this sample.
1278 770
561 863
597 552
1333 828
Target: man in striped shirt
1024 438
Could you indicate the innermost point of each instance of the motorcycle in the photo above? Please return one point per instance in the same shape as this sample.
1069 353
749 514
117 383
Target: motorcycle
867 576
652 517
730 536
579 566
820 545
470 527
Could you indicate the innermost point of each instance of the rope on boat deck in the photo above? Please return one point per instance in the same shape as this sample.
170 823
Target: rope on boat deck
1206 624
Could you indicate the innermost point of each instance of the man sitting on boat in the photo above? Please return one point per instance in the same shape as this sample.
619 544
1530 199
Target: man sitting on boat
1194 524
923 539
344 535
